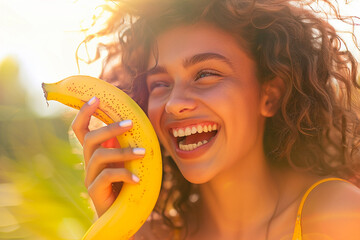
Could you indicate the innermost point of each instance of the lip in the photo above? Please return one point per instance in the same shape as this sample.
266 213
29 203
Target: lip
187 155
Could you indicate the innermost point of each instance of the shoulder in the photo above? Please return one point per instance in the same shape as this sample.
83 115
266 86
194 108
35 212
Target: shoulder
332 210
154 229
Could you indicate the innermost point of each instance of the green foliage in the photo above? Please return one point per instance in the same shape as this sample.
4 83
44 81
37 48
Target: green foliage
42 194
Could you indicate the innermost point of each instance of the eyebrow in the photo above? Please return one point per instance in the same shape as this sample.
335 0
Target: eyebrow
156 70
202 57
198 58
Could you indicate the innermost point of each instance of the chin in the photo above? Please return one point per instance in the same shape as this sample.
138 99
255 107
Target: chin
196 175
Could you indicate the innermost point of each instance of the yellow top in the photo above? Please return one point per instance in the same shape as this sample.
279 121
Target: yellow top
297 231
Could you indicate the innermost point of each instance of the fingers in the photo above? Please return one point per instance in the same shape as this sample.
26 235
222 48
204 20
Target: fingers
104 166
93 139
105 174
81 122
98 136
108 176
103 158
100 190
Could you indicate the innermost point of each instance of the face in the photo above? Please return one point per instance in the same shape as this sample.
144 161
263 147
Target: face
204 101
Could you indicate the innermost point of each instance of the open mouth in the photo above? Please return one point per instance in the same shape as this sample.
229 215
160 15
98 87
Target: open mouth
192 137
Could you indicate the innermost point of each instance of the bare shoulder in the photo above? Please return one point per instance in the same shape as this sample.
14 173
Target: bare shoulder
153 230
332 211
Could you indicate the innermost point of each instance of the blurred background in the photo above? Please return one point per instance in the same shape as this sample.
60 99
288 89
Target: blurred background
42 195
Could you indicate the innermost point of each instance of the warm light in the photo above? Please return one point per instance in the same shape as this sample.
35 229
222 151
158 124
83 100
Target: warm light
43 36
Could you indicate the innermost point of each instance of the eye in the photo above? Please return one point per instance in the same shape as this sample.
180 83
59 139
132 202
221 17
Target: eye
206 73
157 85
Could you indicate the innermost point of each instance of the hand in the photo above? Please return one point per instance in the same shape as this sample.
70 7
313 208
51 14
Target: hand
104 167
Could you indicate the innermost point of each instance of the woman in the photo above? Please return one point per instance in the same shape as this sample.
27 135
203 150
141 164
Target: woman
254 105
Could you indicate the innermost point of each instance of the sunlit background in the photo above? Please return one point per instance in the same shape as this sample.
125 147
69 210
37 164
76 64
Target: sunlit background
42 195
41 177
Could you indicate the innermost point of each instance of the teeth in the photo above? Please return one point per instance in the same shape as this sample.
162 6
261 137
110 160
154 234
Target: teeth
187 131
193 130
205 129
190 147
181 132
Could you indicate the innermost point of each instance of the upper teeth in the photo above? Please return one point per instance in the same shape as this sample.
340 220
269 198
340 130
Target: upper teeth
199 128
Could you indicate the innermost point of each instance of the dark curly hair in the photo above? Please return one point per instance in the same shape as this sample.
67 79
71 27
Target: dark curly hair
317 126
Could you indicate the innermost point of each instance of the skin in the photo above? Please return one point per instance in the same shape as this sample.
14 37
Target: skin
240 192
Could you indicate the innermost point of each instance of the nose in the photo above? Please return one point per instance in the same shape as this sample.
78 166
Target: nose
180 102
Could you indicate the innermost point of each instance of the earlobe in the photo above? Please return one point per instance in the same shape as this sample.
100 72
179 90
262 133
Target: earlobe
271 96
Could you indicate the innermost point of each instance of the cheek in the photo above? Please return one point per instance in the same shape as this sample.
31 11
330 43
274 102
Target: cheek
239 111
155 111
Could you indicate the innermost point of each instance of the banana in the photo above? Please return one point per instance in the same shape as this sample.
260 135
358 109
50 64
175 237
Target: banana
135 201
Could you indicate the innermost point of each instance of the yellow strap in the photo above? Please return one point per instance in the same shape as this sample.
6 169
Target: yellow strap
297 231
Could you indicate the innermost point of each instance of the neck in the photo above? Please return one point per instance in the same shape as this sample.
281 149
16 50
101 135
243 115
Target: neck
241 199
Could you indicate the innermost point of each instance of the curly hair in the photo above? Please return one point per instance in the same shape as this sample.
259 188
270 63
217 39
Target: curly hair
317 126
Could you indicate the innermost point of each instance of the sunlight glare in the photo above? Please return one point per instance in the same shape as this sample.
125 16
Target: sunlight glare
43 36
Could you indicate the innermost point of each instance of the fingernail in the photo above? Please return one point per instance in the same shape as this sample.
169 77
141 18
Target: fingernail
135 178
139 151
125 123
91 101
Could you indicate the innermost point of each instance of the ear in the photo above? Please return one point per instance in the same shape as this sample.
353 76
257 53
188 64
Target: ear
271 96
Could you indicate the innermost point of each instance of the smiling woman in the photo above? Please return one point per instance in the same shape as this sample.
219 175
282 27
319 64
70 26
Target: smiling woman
229 80
254 103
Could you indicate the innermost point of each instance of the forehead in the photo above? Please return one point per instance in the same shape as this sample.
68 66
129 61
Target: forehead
185 41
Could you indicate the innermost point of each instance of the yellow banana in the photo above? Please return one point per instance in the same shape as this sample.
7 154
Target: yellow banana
135 201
